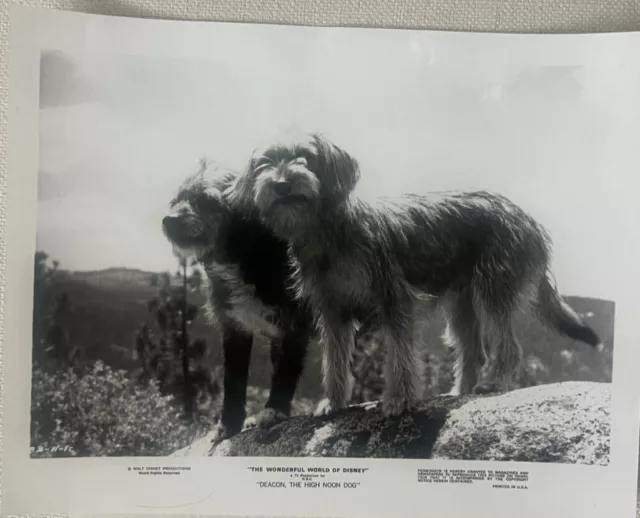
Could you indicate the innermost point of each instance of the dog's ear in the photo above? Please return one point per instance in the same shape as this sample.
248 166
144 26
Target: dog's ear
340 172
204 164
213 194
239 192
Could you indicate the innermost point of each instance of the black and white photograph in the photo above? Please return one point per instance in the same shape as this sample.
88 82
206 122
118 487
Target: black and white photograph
272 243
214 267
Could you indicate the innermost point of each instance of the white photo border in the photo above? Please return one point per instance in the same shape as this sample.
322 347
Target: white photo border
225 486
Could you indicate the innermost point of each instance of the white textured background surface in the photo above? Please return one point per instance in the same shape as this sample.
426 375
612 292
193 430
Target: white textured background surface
468 15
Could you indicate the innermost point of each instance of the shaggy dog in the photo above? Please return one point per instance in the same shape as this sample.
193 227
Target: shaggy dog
474 255
247 269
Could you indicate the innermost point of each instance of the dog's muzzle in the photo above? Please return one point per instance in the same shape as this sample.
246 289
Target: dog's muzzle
176 227
285 194
282 188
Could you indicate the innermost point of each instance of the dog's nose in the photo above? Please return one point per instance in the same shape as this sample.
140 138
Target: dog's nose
282 188
171 223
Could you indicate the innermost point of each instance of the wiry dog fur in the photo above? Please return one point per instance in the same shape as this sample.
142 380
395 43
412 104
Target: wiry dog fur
247 269
475 255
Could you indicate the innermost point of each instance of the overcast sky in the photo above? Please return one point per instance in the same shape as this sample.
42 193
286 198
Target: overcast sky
119 132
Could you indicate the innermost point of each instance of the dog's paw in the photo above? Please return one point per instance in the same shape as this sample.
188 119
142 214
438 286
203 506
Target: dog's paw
488 388
397 405
326 407
222 433
250 422
269 417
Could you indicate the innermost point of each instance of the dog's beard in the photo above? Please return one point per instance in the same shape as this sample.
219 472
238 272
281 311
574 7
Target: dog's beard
187 253
289 222
186 250
287 217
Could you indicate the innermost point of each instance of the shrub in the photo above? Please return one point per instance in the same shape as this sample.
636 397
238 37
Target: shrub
167 353
103 413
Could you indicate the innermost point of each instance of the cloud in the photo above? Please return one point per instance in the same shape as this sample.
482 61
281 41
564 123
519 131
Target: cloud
61 82
118 133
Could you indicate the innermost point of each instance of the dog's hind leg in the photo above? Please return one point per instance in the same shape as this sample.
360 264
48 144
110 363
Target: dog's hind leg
497 332
464 336
338 344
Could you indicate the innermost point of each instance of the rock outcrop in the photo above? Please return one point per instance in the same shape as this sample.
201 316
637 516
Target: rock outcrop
564 422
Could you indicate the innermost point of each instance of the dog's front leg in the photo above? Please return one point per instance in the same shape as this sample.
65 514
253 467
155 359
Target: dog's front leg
338 343
287 358
237 355
404 368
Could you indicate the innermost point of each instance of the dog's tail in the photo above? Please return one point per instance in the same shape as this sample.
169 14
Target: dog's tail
559 316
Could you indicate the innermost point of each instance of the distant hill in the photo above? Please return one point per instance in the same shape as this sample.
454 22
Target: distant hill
109 306
115 277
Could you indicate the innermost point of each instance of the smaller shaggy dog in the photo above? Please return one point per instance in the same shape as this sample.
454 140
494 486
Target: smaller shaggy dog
247 269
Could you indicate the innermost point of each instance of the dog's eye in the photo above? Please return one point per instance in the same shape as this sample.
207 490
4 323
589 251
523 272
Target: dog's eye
261 165
206 205
194 230
299 161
